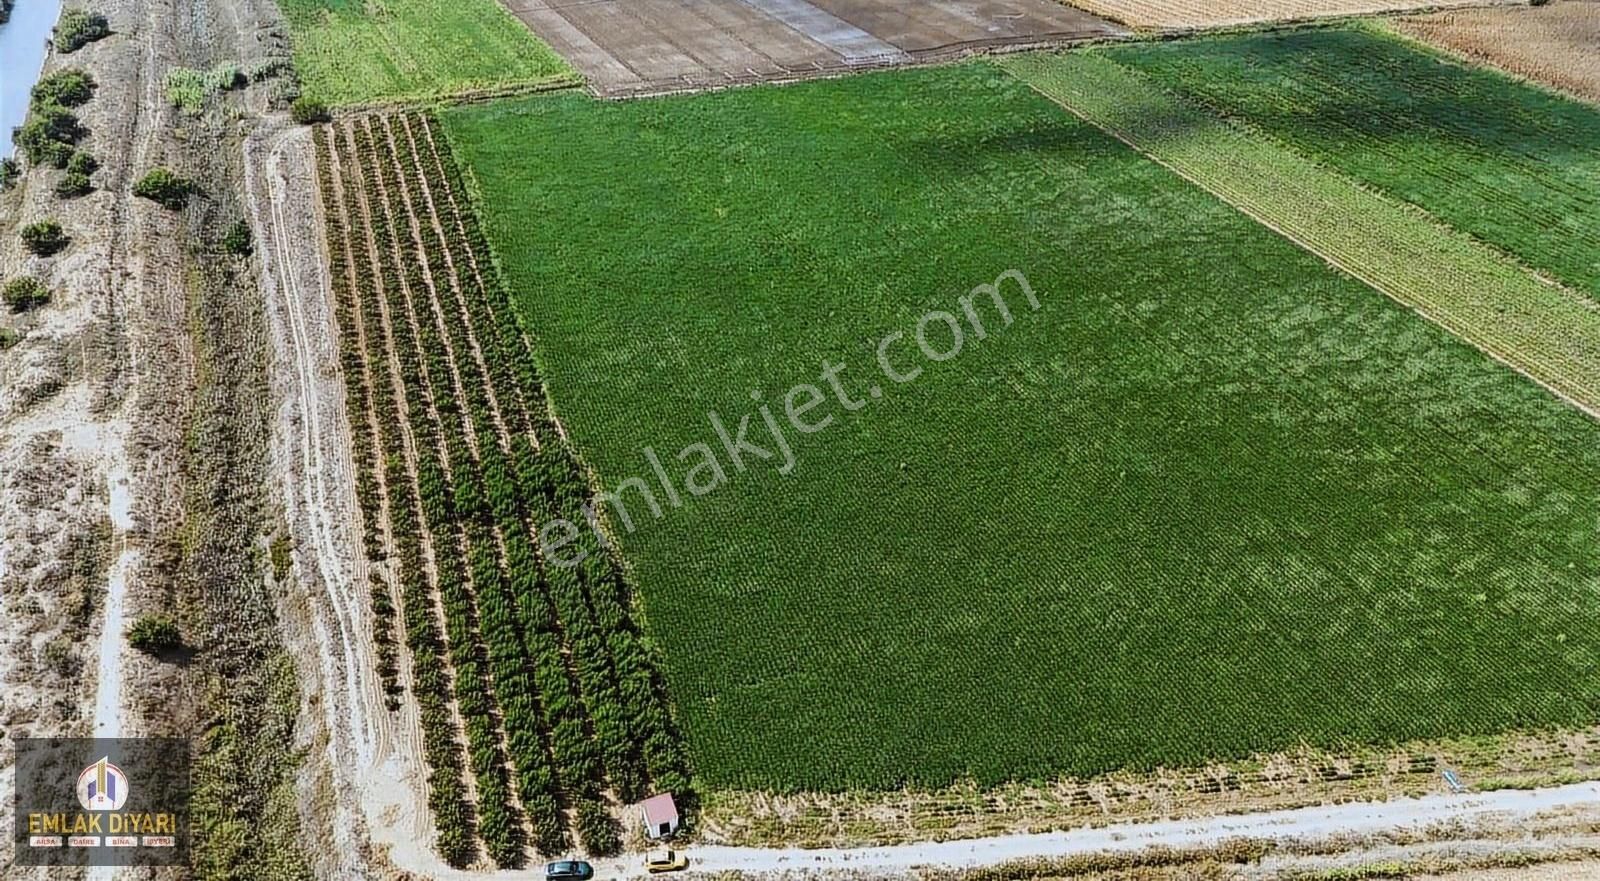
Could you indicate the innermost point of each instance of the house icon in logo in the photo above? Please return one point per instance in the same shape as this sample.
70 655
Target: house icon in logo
102 787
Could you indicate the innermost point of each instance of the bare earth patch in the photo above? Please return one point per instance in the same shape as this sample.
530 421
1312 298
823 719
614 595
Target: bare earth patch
1187 14
1557 44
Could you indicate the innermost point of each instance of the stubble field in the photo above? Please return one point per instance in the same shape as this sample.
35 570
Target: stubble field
1210 498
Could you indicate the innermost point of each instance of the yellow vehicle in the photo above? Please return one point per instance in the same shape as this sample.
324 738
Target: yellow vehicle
657 861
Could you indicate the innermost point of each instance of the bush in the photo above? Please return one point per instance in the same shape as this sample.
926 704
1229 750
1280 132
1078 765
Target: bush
47 136
9 172
8 338
309 111
73 185
164 188
237 240
82 163
598 829
22 294
155 634
67 88
44 238
78 29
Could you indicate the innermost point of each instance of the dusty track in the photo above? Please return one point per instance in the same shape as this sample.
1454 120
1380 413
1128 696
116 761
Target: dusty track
1182 15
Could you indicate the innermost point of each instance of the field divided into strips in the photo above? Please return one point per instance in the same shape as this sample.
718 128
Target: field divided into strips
1507 162
538 700
1212 498
1550 333
365 51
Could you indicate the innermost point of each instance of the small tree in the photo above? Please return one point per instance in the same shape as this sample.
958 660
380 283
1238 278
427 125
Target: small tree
73 184
67 88
165 188
308 111
44 238
237 239
78 28
9 172
155 634
22 294
47 136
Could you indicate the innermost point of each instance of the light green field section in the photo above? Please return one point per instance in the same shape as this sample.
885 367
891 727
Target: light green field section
1548 332
354 52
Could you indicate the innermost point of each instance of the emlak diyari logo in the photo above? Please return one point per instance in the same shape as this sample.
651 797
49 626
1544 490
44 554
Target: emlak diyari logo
102 802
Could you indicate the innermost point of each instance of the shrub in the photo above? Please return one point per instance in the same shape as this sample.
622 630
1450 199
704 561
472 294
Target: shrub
237 240
67 88
598 829
9 338
44 238
22 294
73 185
83 163
9 172
308 111
47 136
165 188
155 634
79 28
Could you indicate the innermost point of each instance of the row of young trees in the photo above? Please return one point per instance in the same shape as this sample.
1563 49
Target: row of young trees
556 688
355 288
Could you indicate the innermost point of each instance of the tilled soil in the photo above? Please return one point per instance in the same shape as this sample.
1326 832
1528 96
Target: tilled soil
1195 14
1557 44
653 46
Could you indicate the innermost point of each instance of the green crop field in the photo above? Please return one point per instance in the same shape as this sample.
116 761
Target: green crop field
359 51
1212 497
1512 164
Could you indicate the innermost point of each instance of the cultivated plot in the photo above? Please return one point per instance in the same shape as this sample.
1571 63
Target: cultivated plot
1509 163
538 701
361 51
1557 44
1223 13
643 46
1211 497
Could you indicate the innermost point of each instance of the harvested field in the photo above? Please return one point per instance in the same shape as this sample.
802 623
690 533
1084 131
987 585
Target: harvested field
649 46
1186 14
1211 497
1557 44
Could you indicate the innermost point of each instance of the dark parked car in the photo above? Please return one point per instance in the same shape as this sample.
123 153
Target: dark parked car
568 870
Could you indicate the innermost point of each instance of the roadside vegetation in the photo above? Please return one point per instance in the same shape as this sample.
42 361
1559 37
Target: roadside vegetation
1212 499
393 50
458 462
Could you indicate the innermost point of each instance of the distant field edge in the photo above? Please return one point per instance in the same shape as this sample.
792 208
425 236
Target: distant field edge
1275 781
1541 329
1184 17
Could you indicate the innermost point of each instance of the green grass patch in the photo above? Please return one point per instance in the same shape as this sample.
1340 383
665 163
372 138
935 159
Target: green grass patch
1211 498
1512 164
354 52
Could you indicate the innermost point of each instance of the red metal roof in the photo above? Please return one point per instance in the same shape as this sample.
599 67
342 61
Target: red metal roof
660 809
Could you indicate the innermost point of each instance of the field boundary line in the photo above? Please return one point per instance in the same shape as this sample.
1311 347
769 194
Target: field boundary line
1564 376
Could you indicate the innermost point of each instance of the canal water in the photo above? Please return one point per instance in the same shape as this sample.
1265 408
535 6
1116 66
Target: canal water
22 45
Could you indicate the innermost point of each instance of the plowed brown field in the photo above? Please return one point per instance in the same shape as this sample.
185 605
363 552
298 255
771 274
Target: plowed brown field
1558 44
1222 13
